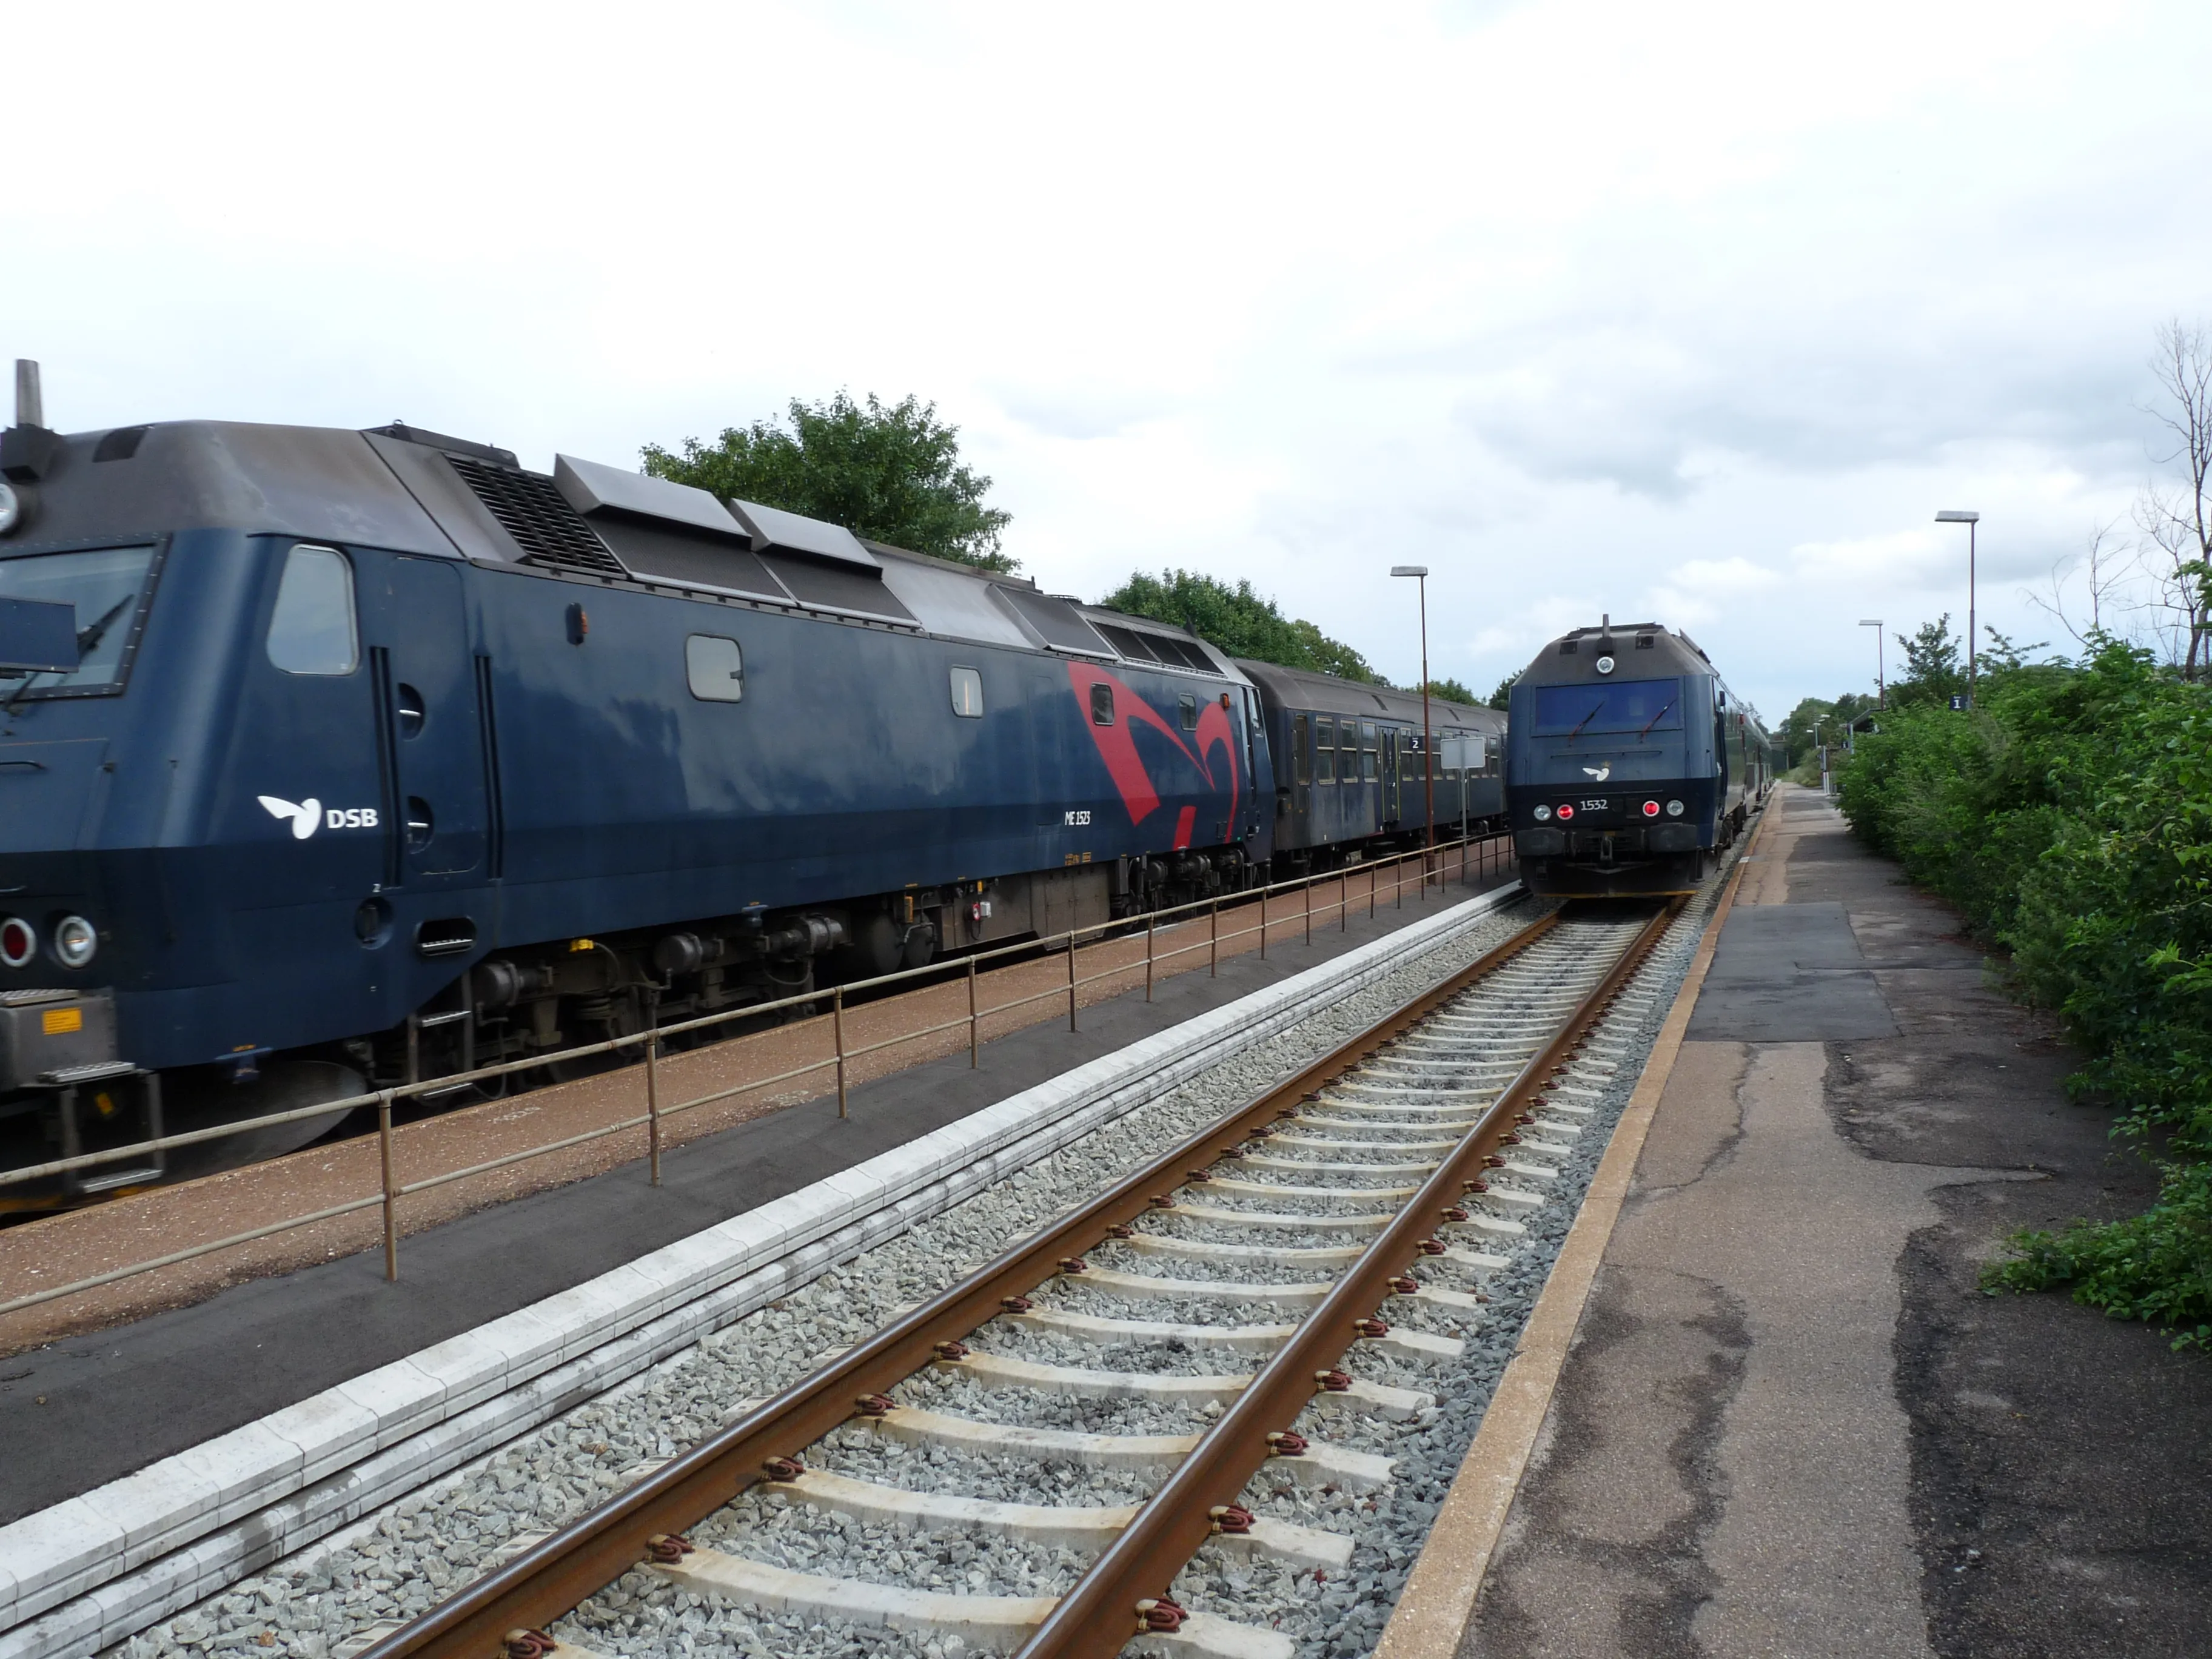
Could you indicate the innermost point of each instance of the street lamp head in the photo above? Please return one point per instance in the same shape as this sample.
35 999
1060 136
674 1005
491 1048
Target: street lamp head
1869 622
1952 515
1409 570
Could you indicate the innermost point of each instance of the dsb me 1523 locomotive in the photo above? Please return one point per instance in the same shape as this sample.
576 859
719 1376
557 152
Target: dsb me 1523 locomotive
333 759
1630 764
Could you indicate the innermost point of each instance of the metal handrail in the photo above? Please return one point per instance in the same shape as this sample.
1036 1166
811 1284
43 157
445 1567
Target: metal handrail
384 1099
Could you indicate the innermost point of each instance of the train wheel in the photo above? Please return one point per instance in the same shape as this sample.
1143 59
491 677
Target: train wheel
204 1098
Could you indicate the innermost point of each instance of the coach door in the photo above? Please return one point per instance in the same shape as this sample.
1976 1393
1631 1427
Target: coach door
1390 814
430 728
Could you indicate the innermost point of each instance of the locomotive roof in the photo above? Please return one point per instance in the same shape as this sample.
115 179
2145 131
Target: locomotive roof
1639 650
410 490
1327 694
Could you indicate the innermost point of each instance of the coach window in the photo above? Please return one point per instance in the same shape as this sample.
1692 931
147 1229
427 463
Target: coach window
968 694
1188 705
1325 749
311 630
1301 761
1102 703
1367 743
715 667
1347 743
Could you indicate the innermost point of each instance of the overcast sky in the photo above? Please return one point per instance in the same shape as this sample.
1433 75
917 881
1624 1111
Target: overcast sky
1696 312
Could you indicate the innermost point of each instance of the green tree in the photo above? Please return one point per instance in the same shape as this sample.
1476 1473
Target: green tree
1239 622
1452 691
892 474
1820 719
1503 695
1932 671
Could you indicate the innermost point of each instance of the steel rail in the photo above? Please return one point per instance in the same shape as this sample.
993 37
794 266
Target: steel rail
552 1576
1101 1613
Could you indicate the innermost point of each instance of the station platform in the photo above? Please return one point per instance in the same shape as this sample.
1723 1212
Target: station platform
1786 1420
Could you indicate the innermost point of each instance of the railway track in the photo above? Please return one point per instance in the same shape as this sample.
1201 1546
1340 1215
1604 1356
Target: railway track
1054 1439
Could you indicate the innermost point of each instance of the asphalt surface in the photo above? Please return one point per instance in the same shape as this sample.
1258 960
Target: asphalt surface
1791 1423
86 1410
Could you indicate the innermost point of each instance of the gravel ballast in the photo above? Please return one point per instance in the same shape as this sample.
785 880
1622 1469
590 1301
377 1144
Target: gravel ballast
397 1563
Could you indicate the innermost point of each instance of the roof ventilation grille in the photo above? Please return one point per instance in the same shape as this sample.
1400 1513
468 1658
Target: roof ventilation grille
537 516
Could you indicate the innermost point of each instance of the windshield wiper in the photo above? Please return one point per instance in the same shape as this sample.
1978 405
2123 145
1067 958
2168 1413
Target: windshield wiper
1577 729
89 638
1654 719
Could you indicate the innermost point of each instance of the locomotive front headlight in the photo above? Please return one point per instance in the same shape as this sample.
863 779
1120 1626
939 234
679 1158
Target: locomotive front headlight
75 941
1543 814
1604 665
1674 809
18 943
11 507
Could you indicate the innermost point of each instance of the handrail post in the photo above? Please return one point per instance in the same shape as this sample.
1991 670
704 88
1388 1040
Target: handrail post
1343 900
1307 890
653 1092
1398 875
1374 879
1071 978
1151 927
391 1190
972 1038
1263 921
837 1034
1213 940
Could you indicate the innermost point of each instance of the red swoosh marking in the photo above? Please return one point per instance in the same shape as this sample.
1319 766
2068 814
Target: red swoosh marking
1117 745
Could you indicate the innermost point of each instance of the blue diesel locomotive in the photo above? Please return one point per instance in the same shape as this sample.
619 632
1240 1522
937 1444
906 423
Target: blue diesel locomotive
332 758
1630 764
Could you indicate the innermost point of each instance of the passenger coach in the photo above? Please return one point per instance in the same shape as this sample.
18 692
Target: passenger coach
1348 762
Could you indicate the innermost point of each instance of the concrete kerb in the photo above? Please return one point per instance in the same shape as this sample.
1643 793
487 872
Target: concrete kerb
95 1569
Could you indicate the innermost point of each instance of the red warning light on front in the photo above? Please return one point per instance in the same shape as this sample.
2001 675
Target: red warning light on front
1651 808
1566 812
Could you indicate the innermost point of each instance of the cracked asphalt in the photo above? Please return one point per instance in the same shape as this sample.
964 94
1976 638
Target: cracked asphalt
1791 1424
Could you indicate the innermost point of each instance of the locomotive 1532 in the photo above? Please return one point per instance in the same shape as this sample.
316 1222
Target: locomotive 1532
1630 763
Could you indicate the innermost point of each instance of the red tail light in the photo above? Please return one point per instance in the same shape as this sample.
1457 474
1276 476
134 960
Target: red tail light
1651 808
1566 812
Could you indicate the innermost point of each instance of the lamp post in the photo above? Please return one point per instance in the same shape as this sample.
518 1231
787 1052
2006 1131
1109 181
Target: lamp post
1880 676
1419 573
1952 515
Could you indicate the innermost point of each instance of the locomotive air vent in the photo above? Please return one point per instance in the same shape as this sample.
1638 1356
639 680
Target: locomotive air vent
538 516
1129 643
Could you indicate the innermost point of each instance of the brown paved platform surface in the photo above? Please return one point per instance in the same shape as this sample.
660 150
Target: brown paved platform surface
1790 1424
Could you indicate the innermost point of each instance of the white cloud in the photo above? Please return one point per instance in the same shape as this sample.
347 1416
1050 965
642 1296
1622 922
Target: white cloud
1590 307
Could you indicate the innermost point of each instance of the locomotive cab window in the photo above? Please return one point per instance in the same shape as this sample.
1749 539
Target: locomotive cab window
968 694
1102 703
312 629
715 668
1187 706
106 586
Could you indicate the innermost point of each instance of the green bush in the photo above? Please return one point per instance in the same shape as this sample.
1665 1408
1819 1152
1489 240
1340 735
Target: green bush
2069 816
